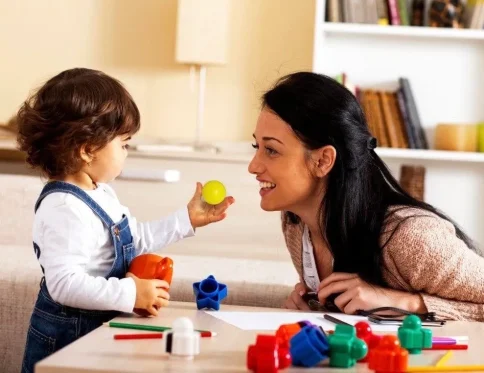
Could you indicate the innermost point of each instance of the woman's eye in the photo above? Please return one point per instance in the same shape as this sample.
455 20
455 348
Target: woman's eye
255 146
126 146
270 151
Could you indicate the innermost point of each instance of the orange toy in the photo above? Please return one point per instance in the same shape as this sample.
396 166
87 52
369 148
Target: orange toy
150 267
286 331
388 356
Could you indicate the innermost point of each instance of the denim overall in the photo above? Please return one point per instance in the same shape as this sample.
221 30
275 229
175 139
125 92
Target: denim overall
52 325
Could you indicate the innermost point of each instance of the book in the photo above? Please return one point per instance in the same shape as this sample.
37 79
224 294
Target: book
388 120
406 122
413 115
403 11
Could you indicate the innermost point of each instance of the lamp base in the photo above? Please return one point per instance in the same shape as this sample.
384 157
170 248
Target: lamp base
203 147
190 147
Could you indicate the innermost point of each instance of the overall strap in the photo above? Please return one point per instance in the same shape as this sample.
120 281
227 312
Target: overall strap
63 187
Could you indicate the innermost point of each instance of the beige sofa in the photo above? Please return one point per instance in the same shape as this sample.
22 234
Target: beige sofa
238 252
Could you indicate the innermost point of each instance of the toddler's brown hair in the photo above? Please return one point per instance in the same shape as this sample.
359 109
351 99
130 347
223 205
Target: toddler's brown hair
78 107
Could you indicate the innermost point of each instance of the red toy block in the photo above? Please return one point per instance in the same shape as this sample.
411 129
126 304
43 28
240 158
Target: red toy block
364 332
266 356
388 356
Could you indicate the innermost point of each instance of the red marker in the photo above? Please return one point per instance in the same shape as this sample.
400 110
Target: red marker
156 335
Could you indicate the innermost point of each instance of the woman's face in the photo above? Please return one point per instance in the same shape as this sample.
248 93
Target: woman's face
282 166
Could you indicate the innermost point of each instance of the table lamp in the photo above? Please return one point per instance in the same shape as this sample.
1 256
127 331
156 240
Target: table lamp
201 41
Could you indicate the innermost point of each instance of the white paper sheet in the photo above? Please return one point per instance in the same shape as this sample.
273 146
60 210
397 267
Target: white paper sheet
272 320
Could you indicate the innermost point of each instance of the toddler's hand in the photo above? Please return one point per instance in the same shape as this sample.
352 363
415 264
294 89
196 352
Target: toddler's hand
201 213
150 294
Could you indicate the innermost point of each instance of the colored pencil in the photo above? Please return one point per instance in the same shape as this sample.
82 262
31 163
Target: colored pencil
444 341
152 328
444 359
460 338
447 368
447 347
139 336
154 335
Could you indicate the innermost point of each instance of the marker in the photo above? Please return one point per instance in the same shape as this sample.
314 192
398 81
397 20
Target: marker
156 335
152 328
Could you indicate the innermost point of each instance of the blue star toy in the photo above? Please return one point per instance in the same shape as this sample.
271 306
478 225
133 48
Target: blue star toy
209 293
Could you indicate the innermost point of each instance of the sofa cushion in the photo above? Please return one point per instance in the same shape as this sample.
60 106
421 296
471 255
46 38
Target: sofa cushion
250 282
19 284
17 199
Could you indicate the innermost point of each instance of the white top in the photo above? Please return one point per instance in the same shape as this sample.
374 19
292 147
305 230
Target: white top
76 249
310 271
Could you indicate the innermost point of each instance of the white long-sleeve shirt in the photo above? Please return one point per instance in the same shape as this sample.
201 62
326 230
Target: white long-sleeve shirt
76 249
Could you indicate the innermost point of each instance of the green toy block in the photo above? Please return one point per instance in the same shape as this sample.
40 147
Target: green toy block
412 336
345 348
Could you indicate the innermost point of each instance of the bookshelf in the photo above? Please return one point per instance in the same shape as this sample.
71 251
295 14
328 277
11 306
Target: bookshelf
430 155
444 67
404 31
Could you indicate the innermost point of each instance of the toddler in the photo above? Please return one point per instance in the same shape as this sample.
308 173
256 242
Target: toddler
76 130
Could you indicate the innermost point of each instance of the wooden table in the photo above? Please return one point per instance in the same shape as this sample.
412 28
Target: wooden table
99 352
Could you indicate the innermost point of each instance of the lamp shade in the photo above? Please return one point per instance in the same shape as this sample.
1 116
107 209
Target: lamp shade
202 32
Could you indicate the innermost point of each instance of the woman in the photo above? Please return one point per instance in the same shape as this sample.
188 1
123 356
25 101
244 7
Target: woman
353 233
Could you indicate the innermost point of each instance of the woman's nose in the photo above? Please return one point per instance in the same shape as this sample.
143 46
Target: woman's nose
255 166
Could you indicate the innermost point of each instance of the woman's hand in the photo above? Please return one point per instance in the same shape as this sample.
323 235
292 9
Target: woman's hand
295 301
201 213
357 294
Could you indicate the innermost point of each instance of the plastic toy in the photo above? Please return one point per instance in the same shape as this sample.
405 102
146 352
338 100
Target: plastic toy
266 356
345 347
286 331
150 267
364 332
213 192
388 356
309 347
412 336
182 341
209 293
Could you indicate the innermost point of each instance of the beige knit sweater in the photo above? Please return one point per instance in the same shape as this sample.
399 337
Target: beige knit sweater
425 256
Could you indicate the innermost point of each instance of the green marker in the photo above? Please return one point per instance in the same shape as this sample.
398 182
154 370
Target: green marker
152 328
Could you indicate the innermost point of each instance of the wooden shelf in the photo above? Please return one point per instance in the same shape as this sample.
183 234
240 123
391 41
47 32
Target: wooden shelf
431 155
408 31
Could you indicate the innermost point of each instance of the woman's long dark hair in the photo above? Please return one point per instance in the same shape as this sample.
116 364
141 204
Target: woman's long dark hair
360 187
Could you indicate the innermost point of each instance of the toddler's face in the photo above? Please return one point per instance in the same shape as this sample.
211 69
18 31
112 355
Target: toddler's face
109 161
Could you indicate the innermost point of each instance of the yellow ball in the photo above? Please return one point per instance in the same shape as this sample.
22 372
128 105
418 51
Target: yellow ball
213 192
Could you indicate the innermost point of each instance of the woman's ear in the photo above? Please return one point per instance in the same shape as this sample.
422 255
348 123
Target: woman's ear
324 159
